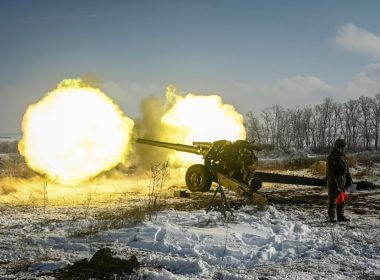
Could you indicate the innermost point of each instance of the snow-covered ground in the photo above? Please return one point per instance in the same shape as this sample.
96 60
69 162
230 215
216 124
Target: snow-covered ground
289 239
254 244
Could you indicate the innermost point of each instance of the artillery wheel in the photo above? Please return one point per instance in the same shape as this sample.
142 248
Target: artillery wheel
198 178
255 184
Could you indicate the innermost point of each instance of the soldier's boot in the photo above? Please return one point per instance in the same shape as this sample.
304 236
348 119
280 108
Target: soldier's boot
340 212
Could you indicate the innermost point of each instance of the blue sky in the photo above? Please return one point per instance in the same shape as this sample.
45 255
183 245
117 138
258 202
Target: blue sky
252 53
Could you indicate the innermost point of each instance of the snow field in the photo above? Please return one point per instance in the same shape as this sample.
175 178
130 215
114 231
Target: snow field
200 244
193 245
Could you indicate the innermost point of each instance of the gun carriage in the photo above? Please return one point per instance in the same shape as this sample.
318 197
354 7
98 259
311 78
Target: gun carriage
231 164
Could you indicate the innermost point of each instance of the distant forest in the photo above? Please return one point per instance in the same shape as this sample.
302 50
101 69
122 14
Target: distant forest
316 127
8 147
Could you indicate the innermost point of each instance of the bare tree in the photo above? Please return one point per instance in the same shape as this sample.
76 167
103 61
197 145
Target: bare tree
375 109
266 116
326 108
317 127
365 124
351 117
296 123
306 125
337 122
275 126
253 127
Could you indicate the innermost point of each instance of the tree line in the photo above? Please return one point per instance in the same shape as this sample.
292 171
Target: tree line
316 127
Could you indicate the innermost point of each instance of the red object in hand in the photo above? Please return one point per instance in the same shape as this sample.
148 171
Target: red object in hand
341 198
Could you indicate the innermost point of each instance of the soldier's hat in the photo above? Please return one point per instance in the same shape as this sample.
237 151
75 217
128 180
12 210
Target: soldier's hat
340 143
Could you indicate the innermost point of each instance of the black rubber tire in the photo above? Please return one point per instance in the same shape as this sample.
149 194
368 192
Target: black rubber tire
198 178
255 184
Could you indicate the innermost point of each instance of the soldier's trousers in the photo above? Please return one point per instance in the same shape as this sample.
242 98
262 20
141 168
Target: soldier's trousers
333 193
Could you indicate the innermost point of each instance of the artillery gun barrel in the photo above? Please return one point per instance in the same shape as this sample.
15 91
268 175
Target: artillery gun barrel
290 179
172 146
203 145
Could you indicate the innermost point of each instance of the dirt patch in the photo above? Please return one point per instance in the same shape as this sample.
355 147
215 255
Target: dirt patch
102 265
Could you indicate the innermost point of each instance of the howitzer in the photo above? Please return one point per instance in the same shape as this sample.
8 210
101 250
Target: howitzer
232 164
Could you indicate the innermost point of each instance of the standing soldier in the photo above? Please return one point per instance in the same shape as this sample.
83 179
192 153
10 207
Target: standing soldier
338 178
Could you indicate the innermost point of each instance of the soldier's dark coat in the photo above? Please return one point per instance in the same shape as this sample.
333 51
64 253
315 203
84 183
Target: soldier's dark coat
338 178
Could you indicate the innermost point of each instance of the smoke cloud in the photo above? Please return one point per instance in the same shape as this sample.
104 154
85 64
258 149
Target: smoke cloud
184 118
149 126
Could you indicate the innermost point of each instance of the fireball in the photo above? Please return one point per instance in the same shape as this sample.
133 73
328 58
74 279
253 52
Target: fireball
74 133
206 118
202 118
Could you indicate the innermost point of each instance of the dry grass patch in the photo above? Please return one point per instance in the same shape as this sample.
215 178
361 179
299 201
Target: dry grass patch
352 161
318 168
116 219
364 173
